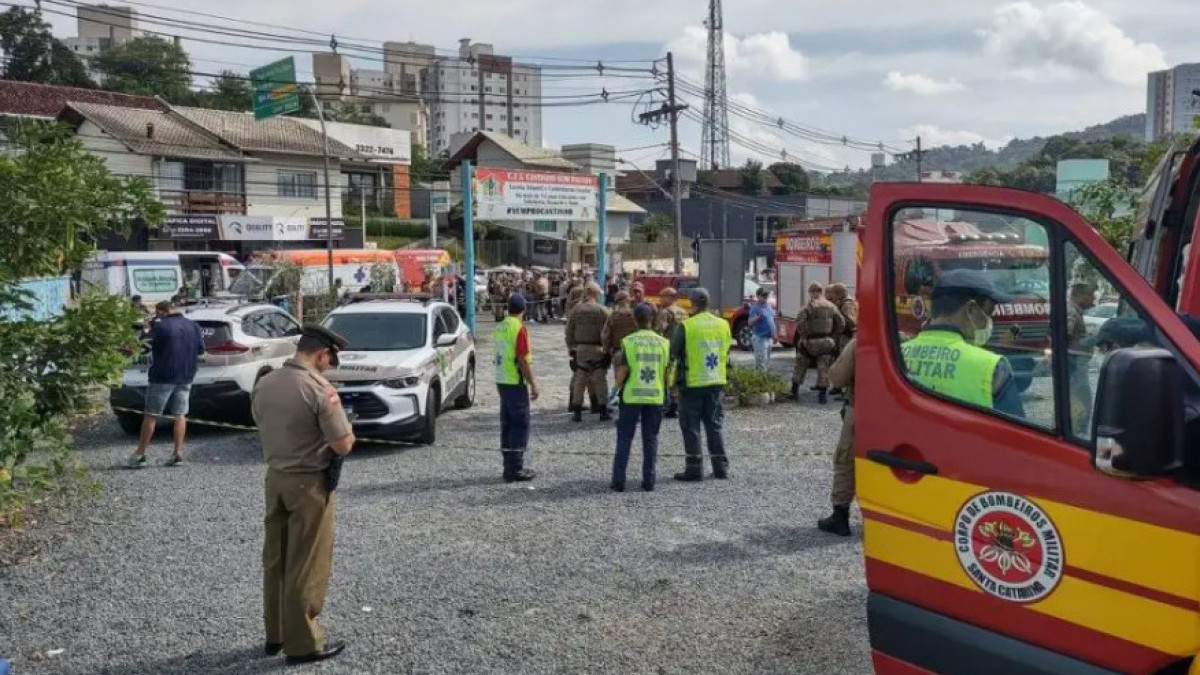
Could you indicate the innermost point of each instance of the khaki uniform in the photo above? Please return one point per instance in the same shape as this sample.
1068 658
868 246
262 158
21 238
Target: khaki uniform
584 336
668 319
842 375
619 325
820 324
498 295
298 414
849 310
575 297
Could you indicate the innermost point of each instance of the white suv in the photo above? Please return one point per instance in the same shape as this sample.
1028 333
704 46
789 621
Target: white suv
408 359
242 343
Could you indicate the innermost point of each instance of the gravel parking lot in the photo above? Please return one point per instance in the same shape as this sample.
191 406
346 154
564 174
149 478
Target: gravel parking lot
442 568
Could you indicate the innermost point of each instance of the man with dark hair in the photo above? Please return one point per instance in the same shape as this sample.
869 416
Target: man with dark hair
514 381
305 434
948 356
175 347
700 355
642 364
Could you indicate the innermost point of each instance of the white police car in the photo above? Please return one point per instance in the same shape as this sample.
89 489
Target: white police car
408 359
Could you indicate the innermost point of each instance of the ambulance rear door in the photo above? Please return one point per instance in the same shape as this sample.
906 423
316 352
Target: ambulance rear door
993 543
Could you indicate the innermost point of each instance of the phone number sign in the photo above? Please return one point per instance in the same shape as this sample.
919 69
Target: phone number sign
506 194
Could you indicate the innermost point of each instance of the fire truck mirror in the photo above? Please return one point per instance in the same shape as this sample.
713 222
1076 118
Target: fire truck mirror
1139 414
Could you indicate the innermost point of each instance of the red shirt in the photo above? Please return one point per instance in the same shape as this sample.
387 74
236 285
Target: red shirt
522 344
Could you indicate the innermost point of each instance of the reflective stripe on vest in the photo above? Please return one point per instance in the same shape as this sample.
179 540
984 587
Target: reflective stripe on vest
707 340
944 362
646 356
504 342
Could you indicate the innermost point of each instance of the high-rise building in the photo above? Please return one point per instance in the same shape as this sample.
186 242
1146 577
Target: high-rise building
100 27
1172 100
473 91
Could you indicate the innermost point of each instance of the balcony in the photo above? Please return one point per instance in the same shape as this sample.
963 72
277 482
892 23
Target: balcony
180 202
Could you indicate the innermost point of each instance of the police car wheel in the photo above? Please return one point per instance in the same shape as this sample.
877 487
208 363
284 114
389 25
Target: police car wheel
468 396
429 433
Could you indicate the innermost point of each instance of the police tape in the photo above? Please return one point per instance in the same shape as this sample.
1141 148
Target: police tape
532 451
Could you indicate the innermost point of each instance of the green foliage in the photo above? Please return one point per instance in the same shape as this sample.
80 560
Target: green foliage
792 176
380 226
750 176
228 91
655 228
746 383
32 54
57 199
1111 207
425 169
147 66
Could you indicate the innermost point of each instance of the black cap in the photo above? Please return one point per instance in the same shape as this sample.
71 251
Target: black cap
330 339
970 283
644 312
1121 331
516 303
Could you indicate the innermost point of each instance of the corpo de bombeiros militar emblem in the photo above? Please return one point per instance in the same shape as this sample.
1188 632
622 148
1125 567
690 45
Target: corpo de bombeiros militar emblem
1008 546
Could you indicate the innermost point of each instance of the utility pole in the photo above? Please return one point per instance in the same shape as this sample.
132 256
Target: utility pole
920 158
671 110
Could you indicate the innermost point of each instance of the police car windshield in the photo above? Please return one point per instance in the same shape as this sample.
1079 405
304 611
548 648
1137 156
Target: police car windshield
1022 277
382 332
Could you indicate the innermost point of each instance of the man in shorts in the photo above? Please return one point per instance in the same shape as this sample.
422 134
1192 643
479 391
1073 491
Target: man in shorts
175 347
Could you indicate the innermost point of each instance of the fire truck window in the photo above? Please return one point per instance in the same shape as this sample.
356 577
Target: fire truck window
971 295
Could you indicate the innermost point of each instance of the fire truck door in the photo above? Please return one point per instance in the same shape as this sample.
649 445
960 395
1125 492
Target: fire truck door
992 543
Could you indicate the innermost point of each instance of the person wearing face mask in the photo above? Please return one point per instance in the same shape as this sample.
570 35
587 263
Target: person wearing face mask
948 356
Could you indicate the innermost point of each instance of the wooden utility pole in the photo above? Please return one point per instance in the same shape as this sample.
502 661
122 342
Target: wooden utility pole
671 110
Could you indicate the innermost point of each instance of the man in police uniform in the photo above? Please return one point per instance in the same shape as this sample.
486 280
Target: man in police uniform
670 316
590 363
700 355
641 364
848 307
619 325
949 357
841 375
304 434
514 382
819 326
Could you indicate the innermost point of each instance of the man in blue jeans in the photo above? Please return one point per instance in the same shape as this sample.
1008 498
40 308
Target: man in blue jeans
641 365
762 329
175 348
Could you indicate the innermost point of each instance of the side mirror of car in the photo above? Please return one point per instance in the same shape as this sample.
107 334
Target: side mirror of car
1139 417
446 340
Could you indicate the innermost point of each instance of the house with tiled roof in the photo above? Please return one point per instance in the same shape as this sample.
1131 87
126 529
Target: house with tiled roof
44 101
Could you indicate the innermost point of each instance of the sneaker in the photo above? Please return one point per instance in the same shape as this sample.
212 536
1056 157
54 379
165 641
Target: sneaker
135 461
175 460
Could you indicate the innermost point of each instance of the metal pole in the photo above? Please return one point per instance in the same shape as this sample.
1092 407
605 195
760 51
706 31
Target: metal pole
362 203
469 241
328 197
602 235
920 157
676 191
432 220
724 240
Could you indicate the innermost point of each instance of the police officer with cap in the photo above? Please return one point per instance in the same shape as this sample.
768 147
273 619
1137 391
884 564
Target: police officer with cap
949 357
305 434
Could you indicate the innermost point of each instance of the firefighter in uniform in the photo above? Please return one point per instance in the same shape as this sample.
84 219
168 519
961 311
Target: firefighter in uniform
588 359
670 316
948 355
619 325
819 326
841 374
305 434
642 364
700 356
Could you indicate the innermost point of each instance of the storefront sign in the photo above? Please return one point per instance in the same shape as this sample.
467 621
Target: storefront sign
505 194
318 230
189 227
813 248
546 246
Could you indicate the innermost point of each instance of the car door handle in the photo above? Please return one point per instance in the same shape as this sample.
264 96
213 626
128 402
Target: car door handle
896 462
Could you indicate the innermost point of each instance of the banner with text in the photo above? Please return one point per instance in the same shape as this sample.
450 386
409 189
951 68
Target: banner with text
803 247
508 194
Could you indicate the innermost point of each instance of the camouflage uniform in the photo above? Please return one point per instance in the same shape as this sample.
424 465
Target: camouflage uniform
574 297
842 375
820 324
668 319
498 296
619 325
849 310
584 337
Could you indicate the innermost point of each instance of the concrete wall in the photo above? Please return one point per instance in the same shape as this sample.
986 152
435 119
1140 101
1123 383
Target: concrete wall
263 198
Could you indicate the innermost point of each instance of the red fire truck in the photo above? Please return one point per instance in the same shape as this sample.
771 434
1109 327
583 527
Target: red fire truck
822 251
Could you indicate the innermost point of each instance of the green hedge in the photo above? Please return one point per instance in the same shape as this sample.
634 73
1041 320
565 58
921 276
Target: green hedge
379 226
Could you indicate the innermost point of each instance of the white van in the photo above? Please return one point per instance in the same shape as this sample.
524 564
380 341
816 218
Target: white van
160 275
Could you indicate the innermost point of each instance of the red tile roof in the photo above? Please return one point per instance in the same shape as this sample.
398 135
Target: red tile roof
46 100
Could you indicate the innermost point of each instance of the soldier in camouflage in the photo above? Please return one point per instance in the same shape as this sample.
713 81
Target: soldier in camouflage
819 327
589 362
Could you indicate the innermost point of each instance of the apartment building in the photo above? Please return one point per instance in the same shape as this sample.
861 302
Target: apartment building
100 27
1172 100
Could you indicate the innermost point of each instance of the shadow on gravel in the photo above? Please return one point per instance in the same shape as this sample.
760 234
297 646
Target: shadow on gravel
768 541
244 660
418 486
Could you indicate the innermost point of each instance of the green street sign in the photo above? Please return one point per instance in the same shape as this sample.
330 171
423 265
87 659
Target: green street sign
275 91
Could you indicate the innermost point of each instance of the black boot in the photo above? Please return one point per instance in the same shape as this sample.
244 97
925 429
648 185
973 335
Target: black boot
605 415
510 465
693 470
822 395
577 414
519 473
837 522
796 391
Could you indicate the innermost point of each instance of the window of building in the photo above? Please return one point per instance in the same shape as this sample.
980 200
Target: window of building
301 184
767 227
488 116
516 118
545 226
475 115
474 88
487 90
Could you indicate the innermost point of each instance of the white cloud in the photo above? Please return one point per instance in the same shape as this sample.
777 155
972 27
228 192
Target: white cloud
922 85
763 56
1065 39
933 136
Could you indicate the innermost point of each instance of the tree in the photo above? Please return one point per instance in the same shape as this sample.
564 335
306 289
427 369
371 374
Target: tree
228 91
655 227
352 113
31 53
792 176
1111 207
750 176
147 66
424 168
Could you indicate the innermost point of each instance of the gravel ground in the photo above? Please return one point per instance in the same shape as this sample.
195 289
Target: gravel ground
442 568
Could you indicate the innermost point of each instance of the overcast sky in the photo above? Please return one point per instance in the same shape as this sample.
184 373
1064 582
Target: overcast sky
953 71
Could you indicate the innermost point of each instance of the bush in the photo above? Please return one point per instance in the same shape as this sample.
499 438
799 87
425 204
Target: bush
746 383
381 226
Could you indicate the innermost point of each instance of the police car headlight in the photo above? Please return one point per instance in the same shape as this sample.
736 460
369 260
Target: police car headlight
406 382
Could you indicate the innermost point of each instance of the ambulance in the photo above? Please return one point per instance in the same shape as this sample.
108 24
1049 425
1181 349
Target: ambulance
351 267
1065 538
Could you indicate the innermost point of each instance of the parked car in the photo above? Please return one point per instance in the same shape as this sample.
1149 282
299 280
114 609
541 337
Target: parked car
409 358
1096 317
242 342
